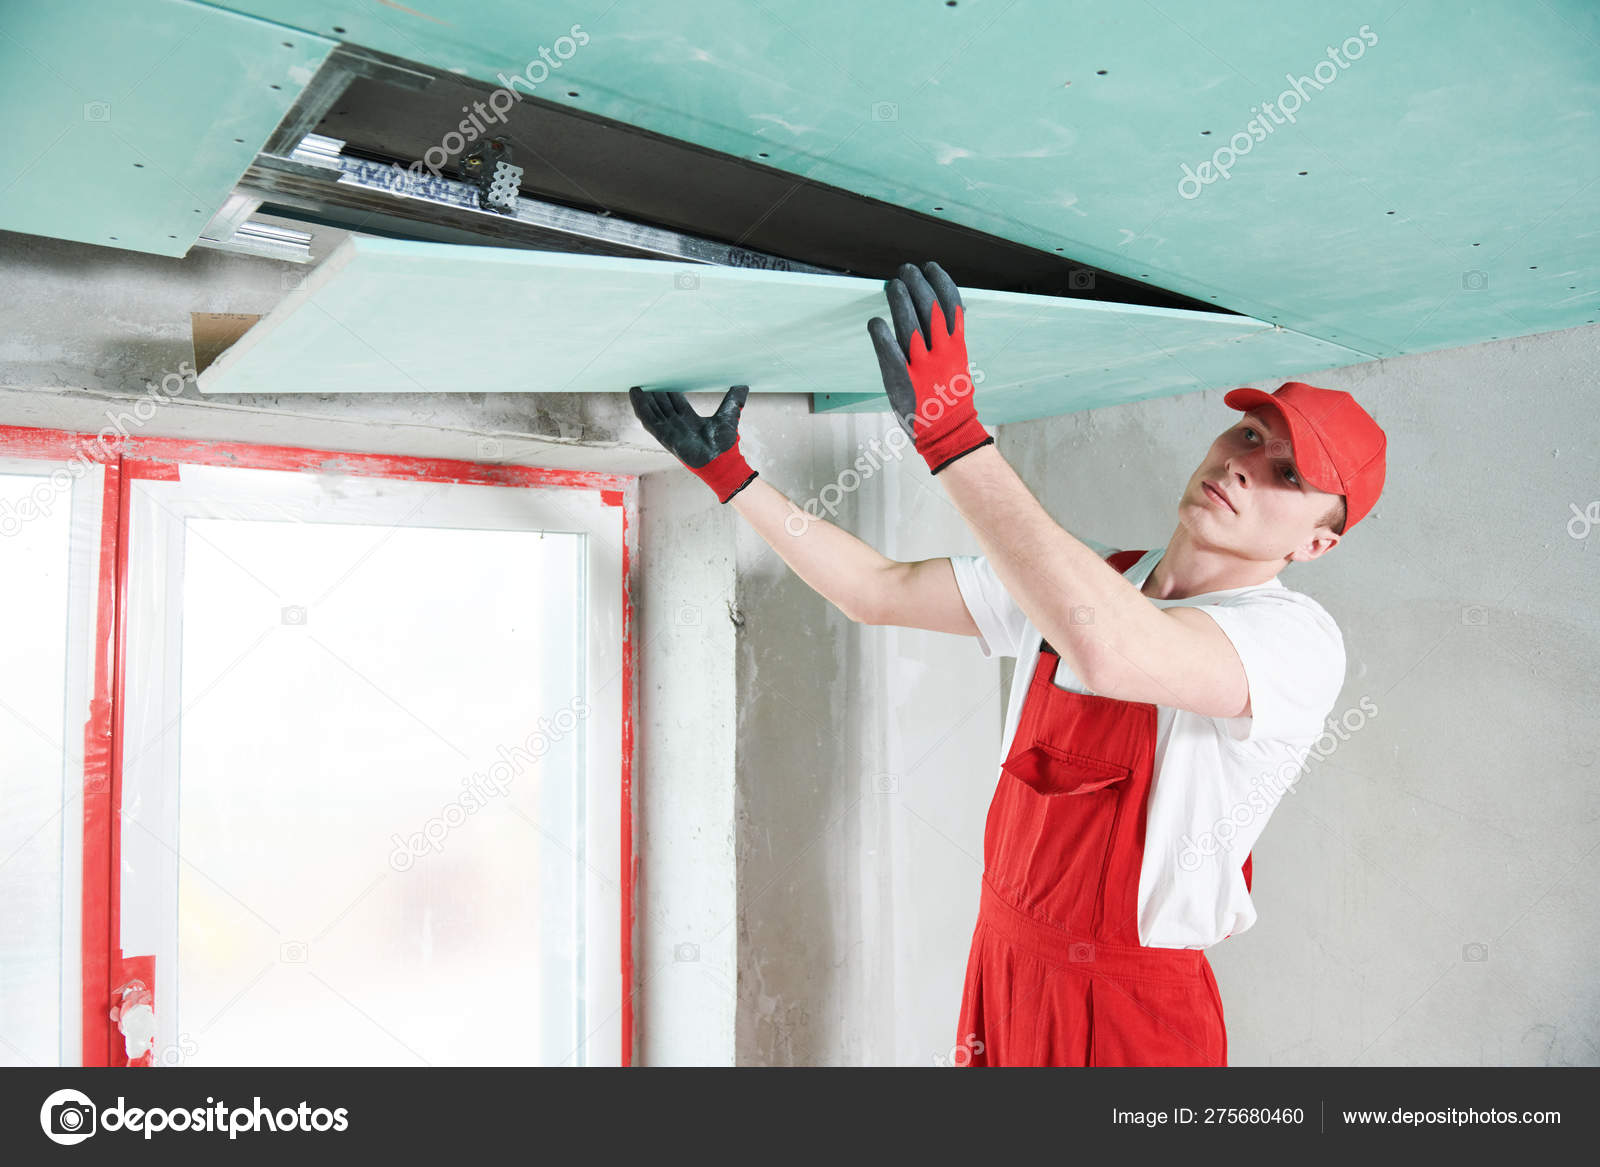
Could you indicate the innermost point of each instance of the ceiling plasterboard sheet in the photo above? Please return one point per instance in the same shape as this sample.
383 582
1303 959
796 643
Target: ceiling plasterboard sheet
387 315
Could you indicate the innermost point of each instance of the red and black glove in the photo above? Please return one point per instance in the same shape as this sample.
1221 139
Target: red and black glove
924 365
709 446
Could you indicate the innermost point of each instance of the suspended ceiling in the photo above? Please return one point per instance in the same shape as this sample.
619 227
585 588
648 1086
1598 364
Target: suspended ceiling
1436 187
1437 190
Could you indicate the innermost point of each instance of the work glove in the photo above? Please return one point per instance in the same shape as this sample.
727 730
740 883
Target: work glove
709 446
924 365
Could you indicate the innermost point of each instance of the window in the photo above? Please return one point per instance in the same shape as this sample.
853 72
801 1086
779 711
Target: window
371 764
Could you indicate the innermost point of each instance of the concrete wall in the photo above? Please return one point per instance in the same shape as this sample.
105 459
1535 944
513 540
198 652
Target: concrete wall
866 758
685 957
812 791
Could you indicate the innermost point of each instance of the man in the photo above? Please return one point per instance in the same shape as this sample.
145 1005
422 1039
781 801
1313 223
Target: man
1162 702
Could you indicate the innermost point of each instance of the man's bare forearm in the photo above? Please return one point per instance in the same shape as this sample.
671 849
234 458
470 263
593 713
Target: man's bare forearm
1043 566
838 566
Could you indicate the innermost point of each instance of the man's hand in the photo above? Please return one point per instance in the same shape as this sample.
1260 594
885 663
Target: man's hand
709 446
924 365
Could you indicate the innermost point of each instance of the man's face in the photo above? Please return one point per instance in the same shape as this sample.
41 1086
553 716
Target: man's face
1275 513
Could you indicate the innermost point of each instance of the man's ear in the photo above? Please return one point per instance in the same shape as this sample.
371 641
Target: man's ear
1322 541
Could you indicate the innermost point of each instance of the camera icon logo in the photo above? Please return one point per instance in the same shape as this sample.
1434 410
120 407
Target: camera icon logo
294 614
1081 951
1474 614
1476 951
68 1117
293 280
97 111
686 953
1474 281
1082 614
688 613
886 783
686 281
885 111
292 952
490 448
1279 448
1080 278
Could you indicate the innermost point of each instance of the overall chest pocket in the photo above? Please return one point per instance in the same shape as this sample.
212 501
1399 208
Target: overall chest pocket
1053 839
1048 769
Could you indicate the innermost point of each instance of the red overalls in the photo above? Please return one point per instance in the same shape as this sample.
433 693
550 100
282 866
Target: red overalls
1056 975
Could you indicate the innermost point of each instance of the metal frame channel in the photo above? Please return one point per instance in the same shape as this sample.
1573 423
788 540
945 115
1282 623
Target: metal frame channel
304 175
229 229
343 66
359 194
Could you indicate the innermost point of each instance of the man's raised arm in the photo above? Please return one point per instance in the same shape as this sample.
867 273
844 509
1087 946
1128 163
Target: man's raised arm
861 582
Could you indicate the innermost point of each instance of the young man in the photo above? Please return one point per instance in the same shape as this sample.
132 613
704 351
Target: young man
1162 702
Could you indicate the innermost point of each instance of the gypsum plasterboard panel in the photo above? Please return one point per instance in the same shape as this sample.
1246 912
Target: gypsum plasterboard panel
128 122
1090 361
1351 213
385 315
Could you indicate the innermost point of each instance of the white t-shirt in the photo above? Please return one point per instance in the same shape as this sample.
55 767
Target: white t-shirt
1216 779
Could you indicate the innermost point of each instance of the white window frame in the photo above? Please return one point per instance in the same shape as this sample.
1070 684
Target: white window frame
157 510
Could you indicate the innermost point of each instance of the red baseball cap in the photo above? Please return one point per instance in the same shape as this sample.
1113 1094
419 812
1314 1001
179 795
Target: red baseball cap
1337 446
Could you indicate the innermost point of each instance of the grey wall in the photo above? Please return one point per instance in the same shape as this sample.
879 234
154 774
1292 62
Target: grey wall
812 792
866 756
686 897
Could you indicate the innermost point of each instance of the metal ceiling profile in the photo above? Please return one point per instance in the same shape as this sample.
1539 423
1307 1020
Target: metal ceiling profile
323 185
